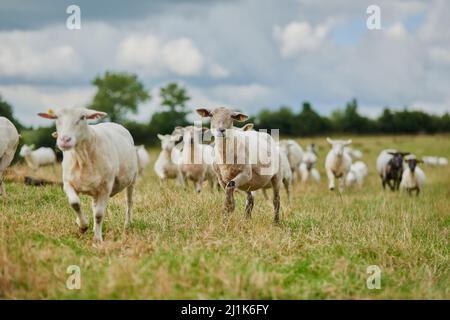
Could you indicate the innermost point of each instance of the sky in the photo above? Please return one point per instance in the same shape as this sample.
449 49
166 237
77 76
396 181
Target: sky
247 55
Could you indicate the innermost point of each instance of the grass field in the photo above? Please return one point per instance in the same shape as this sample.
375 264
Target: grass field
179 247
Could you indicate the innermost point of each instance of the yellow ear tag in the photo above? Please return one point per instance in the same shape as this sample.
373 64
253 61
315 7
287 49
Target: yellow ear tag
50 112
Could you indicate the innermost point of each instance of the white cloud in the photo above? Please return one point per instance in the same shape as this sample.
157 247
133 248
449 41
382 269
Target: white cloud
33 55
241 96
299 36
156 56
34 99
182 57
218 71
396 30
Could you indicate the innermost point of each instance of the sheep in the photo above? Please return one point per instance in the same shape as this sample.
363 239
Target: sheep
353 153
307 169
286 176
435 161
9 140
98 160
166 165
294 154
390 168
196 158
246 160
143 158
358 171
413 177
39 157
337 163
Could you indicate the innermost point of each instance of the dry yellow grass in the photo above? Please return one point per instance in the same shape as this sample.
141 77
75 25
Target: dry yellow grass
179 247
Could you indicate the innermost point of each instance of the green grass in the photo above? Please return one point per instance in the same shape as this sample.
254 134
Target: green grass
179 247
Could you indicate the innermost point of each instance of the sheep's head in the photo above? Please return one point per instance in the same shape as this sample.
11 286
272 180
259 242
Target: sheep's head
71 125
397 159
167 142
222 120
412 163
26 150
194 135
338 146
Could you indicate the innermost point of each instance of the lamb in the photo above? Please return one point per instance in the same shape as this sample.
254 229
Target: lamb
294 154
353 153
337 163
358 171
307 169
166 166
39 157
390 168
98 160
196 159
413 177
143 158
247 160
9 140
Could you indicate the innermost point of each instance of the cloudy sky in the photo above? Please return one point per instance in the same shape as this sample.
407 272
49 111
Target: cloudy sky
248 54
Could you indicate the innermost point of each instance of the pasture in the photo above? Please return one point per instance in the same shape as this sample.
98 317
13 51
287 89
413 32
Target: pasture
179 247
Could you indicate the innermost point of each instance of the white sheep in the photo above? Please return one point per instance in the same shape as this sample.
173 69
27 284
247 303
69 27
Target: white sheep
356 175
337 163
143 158
247 160
196 159
353 153
413 177
294 154
9 139
307 167
39 157
166 165
435 161
98 160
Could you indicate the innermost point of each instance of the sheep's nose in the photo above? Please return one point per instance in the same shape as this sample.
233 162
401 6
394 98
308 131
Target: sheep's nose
222 131
66 139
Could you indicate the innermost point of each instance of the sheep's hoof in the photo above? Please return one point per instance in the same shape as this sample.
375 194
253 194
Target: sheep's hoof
231 185
331 188
83 229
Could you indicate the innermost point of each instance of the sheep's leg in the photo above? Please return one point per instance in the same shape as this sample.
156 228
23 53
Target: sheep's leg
265 194
198 185
330 176
229 204
129 212
2 190
276 198
287 187
417 192
249 205
99 206
75 203
341 184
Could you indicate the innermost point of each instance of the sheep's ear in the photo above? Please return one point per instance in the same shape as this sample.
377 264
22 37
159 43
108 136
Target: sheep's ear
203 112
405 153
55 134
392 153
94 114
329 140
238 116
50 114
160 136
248 127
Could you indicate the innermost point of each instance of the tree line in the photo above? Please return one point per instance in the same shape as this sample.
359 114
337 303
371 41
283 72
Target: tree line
121 94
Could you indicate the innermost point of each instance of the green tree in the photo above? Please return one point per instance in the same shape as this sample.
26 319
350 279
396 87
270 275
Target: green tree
6 111
309 122
118 94
174 98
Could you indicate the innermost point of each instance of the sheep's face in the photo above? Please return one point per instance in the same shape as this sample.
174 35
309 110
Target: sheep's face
397 159
412 163
338 146
222 120
193 135
71 125
167 142
26 150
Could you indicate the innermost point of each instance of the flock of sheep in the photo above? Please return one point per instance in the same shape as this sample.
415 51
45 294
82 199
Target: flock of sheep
101 160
